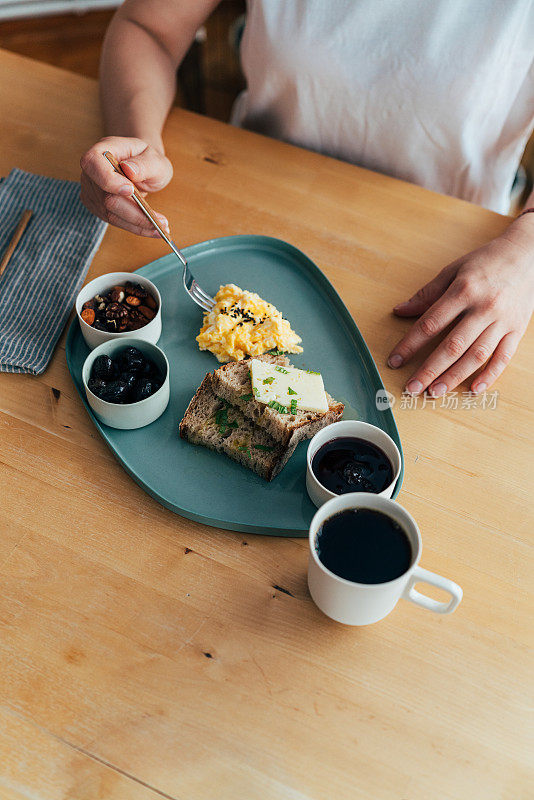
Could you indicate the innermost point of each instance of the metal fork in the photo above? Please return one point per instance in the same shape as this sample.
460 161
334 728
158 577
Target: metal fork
195 292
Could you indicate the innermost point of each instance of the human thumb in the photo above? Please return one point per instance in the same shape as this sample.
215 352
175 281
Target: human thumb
150 170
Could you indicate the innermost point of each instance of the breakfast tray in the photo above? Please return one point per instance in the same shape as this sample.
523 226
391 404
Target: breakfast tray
205 486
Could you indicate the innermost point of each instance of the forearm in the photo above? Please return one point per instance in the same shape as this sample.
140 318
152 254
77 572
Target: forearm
144 45
521 230
137 83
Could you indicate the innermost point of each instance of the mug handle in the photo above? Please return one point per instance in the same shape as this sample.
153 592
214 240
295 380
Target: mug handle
425 576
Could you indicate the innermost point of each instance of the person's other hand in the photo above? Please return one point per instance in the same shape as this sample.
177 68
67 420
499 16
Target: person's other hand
108 195
488 295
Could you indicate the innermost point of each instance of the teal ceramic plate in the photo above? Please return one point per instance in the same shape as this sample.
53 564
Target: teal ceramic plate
208 487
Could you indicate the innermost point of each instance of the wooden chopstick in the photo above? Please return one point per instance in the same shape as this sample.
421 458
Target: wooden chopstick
21 227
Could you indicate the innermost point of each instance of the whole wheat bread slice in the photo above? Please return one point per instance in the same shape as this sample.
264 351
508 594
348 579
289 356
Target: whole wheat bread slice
208 421
232 381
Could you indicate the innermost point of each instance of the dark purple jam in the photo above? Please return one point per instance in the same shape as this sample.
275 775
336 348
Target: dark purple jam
348 464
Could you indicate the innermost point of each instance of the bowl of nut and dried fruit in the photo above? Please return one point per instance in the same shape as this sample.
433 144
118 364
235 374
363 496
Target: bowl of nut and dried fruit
119 305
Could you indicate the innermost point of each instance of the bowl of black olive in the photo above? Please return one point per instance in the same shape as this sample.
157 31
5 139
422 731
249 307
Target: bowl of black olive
127 383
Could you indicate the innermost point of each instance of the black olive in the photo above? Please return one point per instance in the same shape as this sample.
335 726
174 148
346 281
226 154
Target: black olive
97 386
148 369
131 360
115 392
103 368
129 379
144 388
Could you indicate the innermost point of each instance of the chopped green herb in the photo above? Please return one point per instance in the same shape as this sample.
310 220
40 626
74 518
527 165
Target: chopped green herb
268 380
263 447
282 370
221 419
276 352
255 390
291 391
311 372
233 424
247 396
277 407
245 449
293 407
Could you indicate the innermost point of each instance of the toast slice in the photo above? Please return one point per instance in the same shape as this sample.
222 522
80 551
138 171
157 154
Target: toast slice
232 383
214 423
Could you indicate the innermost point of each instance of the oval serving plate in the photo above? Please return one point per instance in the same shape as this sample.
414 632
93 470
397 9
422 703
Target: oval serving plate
205 486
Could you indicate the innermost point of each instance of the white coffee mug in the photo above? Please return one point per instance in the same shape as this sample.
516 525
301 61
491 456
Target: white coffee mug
318 493
364 603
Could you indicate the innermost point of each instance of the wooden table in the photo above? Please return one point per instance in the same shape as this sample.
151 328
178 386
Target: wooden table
145 656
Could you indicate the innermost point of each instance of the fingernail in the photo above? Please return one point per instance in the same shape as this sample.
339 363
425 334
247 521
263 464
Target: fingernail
163 221
438 389
414 387
480 387
132 166
395 361
401 305
126 190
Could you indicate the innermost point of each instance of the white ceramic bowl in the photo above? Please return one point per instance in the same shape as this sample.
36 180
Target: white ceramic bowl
93 337
130 415
361 430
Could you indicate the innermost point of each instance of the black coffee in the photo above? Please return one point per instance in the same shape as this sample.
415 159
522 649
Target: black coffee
364 545
348 464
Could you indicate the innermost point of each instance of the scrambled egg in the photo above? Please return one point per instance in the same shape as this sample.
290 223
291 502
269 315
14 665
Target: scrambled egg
242 324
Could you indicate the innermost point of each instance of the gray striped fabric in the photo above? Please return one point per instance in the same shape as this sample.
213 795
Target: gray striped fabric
46 271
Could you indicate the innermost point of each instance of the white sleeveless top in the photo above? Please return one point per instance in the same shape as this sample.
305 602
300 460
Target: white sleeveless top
437 92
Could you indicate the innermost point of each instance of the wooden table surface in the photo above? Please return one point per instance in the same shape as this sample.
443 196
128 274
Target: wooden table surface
146 656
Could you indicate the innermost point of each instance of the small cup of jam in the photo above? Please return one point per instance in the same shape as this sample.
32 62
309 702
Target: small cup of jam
351 456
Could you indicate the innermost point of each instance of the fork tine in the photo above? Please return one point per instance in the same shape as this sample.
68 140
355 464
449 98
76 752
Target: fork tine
199 300
200 303
192 286
201 293
204 294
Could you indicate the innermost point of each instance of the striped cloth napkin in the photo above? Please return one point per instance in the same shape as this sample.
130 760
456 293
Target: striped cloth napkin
46 271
